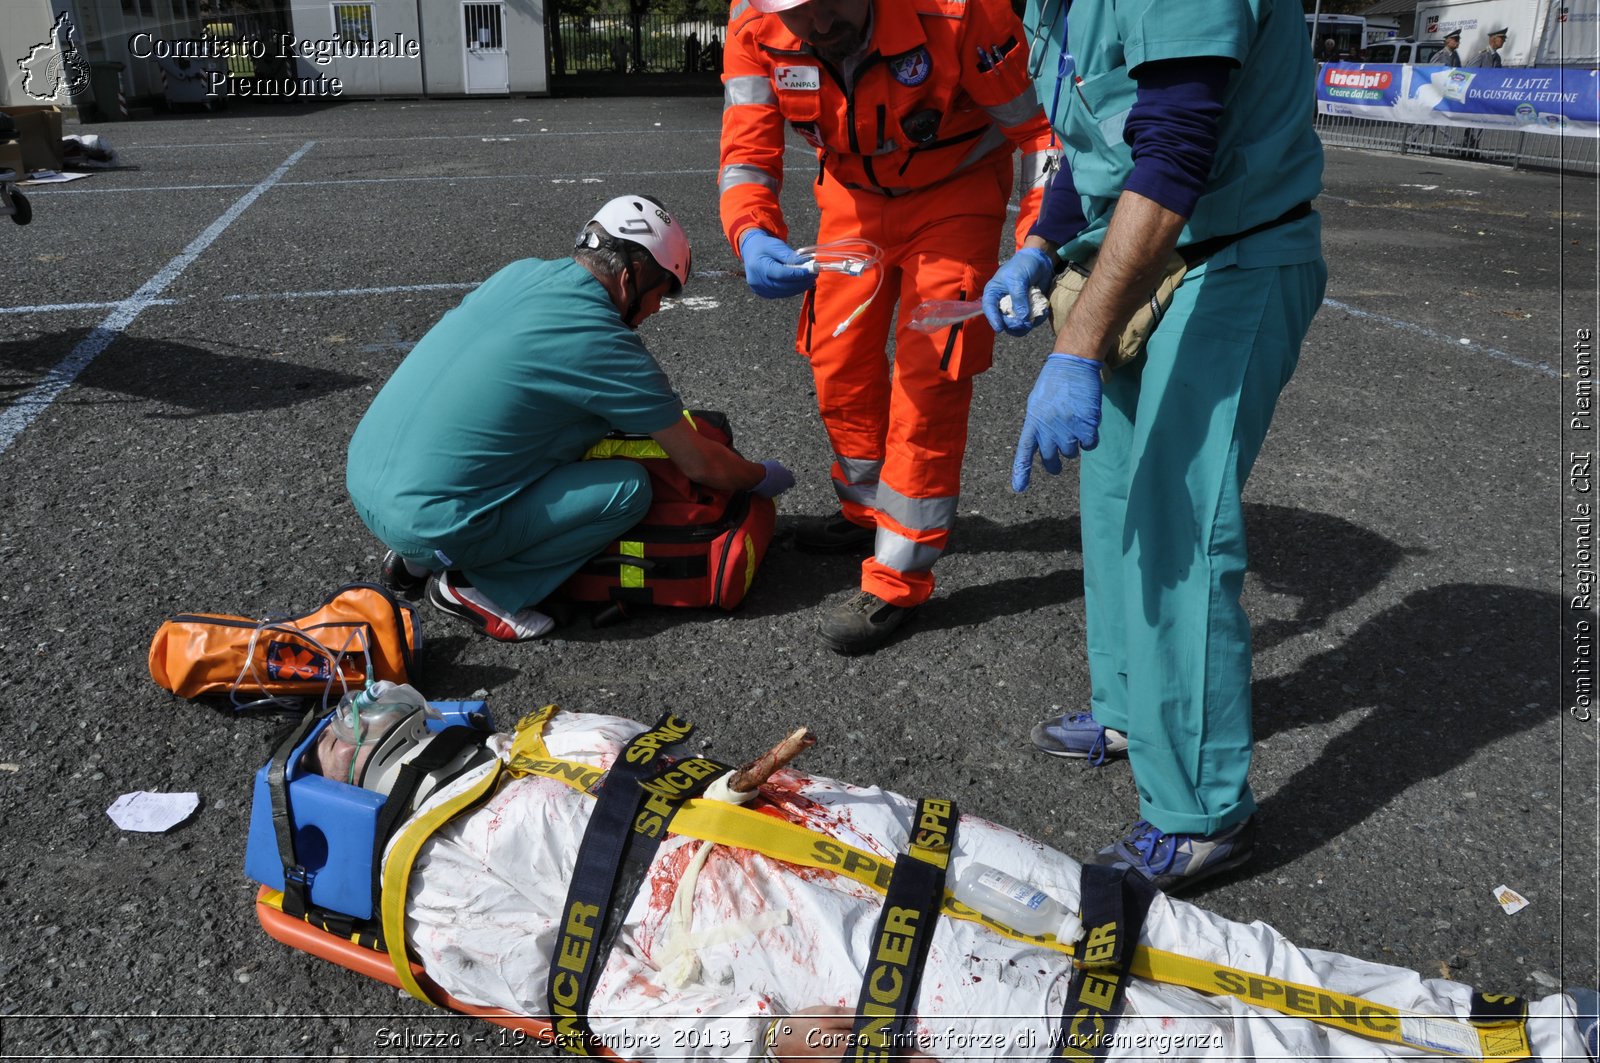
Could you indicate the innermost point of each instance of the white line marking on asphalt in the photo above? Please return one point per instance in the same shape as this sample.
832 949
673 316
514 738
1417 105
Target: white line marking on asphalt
52 308
587 178
543 134
330 293
1421 330
703 303
15 418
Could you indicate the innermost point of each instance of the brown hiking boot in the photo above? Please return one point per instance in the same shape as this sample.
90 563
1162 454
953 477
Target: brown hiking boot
861 624
837 534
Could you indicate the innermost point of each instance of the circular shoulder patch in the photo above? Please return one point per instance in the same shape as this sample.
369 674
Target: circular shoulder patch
912 68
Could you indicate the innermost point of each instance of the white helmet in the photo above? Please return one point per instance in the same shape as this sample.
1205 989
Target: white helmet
647 223
770 7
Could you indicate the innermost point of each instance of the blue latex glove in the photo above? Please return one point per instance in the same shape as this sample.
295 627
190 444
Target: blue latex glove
1029 268
771 267
777 480
1063 416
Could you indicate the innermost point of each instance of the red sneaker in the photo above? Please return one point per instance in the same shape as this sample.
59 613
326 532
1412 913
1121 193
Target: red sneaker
469 604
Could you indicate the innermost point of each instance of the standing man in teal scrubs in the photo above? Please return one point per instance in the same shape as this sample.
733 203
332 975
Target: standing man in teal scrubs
467 465
1190 127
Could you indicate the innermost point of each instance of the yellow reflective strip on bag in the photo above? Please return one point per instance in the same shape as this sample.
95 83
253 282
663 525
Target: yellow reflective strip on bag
629 448
397 872
630 575
749 561
624 448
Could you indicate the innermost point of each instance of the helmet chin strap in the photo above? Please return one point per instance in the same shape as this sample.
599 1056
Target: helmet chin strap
629 316
640 289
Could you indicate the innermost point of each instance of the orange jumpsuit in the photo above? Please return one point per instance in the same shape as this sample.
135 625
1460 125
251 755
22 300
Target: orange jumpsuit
915 155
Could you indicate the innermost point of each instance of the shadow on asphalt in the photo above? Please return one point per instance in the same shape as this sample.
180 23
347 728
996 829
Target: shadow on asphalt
1437 680
990 601
439 657
1325 562
195 381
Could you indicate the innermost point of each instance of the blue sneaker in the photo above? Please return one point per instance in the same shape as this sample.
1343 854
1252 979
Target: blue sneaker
1586 1003
1077 735
1175 862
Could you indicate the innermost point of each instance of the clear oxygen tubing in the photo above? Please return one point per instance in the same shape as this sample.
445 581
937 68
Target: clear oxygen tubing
851 256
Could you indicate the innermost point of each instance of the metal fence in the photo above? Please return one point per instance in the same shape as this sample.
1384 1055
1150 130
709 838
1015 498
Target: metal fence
1534 151
597 44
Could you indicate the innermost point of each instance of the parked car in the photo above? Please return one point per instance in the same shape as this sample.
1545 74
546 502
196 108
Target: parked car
1402 50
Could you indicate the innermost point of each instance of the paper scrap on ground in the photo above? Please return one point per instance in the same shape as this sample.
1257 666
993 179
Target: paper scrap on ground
51 177
1512 901
145 811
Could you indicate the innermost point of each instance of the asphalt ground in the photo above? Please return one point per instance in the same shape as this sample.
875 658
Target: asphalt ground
186 348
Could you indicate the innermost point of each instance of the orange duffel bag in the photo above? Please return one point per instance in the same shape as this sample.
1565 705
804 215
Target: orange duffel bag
359 635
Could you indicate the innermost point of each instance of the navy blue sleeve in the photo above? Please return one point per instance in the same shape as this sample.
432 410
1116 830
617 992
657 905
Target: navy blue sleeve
1172 129
1061 215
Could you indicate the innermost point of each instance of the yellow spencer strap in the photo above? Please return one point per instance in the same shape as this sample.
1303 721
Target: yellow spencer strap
1493 1044
397 871
742 828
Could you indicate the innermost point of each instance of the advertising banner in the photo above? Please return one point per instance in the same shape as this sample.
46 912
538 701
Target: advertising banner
1552 100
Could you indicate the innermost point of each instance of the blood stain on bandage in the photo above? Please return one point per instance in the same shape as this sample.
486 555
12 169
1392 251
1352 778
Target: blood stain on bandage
665 874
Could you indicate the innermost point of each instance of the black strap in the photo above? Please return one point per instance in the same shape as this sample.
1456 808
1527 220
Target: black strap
665 793
296 879
1195 253
435 755
950 342
885 1020
1493 1009
620 815
688 566
1113 902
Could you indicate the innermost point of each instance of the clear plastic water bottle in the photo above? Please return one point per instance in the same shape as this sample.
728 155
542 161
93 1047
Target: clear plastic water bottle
1018 904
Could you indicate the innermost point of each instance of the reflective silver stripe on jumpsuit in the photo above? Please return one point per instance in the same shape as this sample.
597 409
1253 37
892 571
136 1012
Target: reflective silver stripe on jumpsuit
919 514
860 484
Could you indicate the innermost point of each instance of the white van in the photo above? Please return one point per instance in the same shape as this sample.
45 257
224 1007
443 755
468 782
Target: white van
1402 50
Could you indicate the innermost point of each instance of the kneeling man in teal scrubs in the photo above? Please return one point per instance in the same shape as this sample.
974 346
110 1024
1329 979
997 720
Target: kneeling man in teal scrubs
468 463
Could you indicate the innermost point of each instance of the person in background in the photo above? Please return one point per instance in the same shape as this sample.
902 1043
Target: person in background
916 111
1490 56
1205 156
467 465
1450 54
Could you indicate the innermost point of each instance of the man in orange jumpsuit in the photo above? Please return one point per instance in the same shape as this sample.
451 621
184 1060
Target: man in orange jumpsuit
915 108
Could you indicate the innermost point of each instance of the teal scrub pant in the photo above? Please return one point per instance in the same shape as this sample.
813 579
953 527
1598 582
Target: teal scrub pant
1164 540
518 552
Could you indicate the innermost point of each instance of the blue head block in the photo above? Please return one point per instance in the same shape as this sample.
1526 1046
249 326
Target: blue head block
335 824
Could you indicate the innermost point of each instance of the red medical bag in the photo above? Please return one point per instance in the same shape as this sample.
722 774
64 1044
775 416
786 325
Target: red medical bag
696 546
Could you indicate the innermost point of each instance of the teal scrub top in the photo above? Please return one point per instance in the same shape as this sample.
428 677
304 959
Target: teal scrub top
530 370
1268 158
